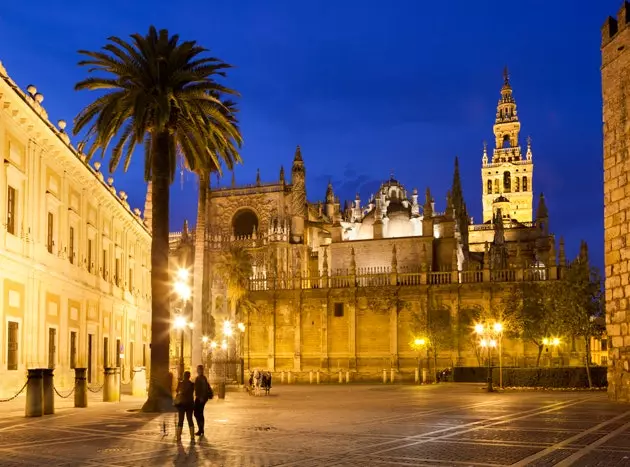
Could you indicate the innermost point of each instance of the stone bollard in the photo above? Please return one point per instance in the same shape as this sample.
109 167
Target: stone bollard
282 377
347 376
289 377
417 375
425 375
49 391
111 387
221 391
310 377
392 374
384 376
80 387
139 382
340 377
317 376
35 393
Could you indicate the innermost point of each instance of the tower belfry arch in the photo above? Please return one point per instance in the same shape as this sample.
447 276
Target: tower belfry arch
507 175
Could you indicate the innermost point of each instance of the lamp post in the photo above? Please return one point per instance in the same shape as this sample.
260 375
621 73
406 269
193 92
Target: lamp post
241 328
489 334
182 289
554 342
418 344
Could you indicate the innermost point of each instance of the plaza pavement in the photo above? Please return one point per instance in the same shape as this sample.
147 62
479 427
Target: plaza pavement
334 425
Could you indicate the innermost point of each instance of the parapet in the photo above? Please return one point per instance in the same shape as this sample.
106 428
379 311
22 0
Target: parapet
613 26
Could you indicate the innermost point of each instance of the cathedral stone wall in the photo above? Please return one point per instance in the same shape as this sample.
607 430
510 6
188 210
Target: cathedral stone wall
411 252
616 101
366 330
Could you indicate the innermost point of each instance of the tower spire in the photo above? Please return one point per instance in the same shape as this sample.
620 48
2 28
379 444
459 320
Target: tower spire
506 76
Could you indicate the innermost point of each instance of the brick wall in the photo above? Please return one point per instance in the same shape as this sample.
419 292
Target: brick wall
616 105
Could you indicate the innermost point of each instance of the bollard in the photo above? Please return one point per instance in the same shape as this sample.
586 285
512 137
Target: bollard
417 376
391 378
221 391
139 382
310 377
317 376
111 387
340 378
289 377
49 391
80 387
384 376
35 393
282 377
347 376
425 375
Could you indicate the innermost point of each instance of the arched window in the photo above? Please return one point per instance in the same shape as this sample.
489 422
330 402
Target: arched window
489 187
517 185
244 223
507 182
496 186
506 141
524 183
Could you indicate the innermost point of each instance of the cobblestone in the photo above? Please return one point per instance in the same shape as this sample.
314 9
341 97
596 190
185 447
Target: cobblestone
306 426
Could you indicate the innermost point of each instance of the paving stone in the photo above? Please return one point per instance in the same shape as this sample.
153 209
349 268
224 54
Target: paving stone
312 426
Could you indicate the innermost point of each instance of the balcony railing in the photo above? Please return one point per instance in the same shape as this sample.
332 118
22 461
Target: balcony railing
381 277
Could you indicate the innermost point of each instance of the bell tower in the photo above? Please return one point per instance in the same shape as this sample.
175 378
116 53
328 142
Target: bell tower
507 179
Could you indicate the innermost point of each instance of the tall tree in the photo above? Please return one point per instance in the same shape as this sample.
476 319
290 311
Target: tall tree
582 304
225 140
235 269
162 92
532 312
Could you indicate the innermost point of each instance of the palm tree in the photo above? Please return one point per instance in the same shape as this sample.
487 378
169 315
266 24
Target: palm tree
235 269
163 93
226 145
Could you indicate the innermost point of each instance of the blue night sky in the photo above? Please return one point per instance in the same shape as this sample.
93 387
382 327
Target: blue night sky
365 87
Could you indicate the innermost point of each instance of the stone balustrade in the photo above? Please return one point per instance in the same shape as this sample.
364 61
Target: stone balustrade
384 276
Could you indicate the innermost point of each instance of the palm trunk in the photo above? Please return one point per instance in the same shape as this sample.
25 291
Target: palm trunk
198 274
160 391
540 349
588 361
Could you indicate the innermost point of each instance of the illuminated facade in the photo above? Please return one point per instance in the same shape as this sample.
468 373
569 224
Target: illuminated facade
75 278
349 288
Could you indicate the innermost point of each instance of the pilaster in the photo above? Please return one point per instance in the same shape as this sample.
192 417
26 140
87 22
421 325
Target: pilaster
393 337
297 334
324 337
352 331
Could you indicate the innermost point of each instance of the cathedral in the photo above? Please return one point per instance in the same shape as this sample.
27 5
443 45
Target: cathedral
350 288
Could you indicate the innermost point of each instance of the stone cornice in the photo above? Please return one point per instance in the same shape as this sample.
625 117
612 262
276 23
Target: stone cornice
29 115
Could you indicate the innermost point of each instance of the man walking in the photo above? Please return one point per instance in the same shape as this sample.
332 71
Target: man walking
203 392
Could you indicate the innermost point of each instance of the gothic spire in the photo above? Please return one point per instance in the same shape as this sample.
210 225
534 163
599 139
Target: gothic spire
541 211
330 196
459 205
298 154
506 108
282 173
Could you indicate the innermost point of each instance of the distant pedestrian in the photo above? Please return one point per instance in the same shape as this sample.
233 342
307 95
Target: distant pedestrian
203 393
185 402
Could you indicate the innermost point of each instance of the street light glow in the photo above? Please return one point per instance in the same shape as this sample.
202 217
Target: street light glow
180 322
479 328
182 274
556 341
213 345
241 327
183 290
224 345
419 342
204 339
483 343
498 327
227 328
493 343
545 341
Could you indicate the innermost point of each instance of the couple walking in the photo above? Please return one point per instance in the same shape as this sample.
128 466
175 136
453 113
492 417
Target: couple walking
191 398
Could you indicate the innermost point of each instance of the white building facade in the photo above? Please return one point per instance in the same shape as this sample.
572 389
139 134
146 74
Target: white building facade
74 258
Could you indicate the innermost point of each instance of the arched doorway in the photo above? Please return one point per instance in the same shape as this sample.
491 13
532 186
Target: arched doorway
244 223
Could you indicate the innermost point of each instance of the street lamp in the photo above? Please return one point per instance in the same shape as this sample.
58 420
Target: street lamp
180 324
489 334
553 342
418 344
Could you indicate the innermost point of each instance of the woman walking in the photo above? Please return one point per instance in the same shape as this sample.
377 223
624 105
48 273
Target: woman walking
185 403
